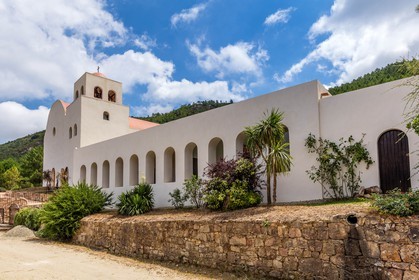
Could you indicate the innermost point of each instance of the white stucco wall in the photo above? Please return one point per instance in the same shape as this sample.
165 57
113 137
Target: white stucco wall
371 111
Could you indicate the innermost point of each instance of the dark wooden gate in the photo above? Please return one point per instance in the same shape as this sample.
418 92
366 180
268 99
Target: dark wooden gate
393 157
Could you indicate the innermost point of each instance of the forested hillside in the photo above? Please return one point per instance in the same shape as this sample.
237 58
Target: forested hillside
391 72
184 111
17 148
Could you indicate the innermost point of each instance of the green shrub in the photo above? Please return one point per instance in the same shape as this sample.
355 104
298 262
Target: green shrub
61 215
178 199
28 217
137 201
233 184
397 203
194 191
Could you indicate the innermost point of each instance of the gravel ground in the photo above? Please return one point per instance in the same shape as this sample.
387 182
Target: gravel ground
29 258
279 213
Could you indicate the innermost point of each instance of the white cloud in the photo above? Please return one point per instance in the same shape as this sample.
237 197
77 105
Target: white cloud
18 121
144 111
362 36
280 16
46 46
188 15
240 58
144 42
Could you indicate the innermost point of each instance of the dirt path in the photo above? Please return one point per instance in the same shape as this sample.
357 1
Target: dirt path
28 259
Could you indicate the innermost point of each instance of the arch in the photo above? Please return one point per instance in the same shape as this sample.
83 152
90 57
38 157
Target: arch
119 172
93 174
82 90
191 160
97 92
393 158
215 150
83 174
241 140
150 167
169 165
70 133
133 170
111 96
77 94
106 116
54 131
75 130
53 178
105 174
287 137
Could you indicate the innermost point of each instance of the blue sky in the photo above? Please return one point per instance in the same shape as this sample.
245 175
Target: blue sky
168 53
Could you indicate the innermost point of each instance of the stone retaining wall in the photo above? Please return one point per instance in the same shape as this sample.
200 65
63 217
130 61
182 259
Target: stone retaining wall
12 201
376 247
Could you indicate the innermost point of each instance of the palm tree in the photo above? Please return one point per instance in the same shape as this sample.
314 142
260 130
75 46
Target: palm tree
267 140
280 161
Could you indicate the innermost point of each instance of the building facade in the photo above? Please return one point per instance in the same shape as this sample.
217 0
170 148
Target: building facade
93 139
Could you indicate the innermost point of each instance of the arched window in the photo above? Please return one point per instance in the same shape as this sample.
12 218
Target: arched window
70 133
77 94
106 116
54 183
191 160
75 129
119 172
150 167
169 165
215 150
105 174
133 170
82 90
83 174
98 92
241 144
53 131
111 96
93 174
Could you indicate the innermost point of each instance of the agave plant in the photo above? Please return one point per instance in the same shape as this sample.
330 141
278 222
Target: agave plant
137 201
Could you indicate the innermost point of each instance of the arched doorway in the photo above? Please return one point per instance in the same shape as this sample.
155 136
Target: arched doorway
393 157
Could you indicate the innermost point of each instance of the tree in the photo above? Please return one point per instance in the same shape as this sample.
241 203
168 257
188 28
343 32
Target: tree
31 166
12 178
280 161
267 141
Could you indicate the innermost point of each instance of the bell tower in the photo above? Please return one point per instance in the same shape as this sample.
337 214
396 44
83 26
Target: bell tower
97 107
98 86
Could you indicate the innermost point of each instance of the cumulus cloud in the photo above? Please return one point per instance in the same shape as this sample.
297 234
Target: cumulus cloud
145 43
188 15
280 16
240 58
58 40
46 46
18 121
360 36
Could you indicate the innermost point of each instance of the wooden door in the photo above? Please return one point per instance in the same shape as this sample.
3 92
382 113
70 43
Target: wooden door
393 157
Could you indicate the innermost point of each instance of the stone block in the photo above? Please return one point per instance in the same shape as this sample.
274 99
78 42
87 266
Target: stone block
410 275
237 240
338 231
410 253
370 249
294 233
390 252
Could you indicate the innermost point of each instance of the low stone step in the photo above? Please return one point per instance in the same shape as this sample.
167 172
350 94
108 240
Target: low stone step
5 227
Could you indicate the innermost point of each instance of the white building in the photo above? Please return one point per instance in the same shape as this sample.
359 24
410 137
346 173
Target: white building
97 141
